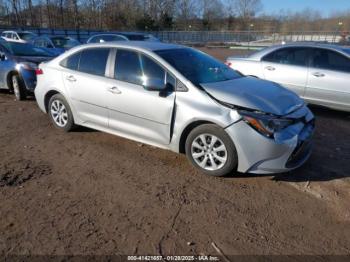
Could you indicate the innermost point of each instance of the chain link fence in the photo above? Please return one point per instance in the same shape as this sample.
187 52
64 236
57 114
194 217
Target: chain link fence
252 38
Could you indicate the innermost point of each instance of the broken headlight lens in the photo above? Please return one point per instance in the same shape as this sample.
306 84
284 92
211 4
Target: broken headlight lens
265 124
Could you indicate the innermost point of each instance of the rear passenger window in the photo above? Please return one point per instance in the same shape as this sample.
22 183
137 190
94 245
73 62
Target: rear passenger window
288 56
127 67
71 62
94 61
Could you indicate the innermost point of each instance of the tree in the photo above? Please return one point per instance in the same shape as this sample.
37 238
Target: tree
246 10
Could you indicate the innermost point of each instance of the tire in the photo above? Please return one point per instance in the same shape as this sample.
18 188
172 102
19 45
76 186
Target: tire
19 88
202 155
60 113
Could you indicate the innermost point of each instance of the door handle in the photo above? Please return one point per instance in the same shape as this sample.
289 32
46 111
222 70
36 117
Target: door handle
270 68
71 78
114 90
318 74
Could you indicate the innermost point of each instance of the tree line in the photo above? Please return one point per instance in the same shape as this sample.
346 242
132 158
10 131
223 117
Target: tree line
149 15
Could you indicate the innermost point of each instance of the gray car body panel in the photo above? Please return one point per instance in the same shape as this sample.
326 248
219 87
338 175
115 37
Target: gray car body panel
330 90
161 122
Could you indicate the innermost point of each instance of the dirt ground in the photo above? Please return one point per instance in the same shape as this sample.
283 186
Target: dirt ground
87 192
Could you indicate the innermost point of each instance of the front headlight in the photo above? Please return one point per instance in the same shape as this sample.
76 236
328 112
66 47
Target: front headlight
265 124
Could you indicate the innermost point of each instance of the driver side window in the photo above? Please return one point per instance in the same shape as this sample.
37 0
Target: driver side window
151 70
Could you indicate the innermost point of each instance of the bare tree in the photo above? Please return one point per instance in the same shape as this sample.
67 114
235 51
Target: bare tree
246 10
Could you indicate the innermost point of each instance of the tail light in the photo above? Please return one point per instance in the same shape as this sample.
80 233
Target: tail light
228 63
39 71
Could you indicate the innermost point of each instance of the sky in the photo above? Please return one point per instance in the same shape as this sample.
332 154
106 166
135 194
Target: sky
326 7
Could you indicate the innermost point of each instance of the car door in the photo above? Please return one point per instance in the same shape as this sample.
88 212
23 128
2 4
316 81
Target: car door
329 78
85 80
134 111
287 66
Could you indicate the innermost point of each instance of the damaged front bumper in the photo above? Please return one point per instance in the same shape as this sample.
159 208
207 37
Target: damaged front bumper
287 150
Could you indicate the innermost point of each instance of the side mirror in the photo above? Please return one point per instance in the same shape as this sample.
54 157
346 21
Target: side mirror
154 84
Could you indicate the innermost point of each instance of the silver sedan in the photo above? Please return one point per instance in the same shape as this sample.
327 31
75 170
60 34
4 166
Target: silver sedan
181 99
319 73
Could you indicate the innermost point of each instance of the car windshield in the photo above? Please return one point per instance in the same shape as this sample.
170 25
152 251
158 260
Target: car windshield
136 37
63 42
20 49
347 50
26 36
198 67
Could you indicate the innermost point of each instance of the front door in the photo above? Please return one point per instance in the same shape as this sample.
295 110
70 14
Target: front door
329 79
134 111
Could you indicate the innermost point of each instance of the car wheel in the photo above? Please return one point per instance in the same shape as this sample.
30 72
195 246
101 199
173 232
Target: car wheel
18 88
60 113
211 150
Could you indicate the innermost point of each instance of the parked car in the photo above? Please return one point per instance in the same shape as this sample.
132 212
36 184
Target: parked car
21 36
319 73
181 99
18 62
56 44
123 36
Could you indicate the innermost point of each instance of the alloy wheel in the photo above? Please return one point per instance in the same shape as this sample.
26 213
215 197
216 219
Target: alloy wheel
59 113
209 152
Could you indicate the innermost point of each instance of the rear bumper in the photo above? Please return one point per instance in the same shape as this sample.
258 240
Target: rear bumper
261 155
29 79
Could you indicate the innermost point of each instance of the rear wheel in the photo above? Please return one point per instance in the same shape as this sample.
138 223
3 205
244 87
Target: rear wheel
19 88
60 113
211 150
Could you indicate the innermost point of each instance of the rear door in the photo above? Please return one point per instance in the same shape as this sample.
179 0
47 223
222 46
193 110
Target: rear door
289 67
133 110
329 78
85 80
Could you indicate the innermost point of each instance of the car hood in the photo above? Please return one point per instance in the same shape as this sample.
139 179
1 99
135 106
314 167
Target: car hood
256 94
33 59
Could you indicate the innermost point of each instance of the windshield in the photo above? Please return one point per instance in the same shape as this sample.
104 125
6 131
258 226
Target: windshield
26 36
63 42
198 67
136 37
20 49
347 50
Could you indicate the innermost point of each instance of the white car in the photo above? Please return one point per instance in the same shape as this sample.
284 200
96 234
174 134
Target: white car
20 37
319 73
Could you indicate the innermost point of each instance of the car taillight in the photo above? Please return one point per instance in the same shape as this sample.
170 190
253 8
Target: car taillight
39 71
228 63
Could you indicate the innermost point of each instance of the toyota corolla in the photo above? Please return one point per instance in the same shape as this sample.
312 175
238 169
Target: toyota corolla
178 98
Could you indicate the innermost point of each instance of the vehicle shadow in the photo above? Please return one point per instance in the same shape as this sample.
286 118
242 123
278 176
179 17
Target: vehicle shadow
83 129
320 111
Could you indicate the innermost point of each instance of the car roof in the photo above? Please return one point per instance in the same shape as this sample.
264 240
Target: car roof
150 46
13 31
267 50
120 33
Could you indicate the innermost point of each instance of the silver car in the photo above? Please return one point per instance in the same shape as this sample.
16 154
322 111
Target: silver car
181 99
121 36
319 73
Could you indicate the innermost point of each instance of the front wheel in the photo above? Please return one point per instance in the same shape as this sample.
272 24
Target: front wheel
211 150
60 113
